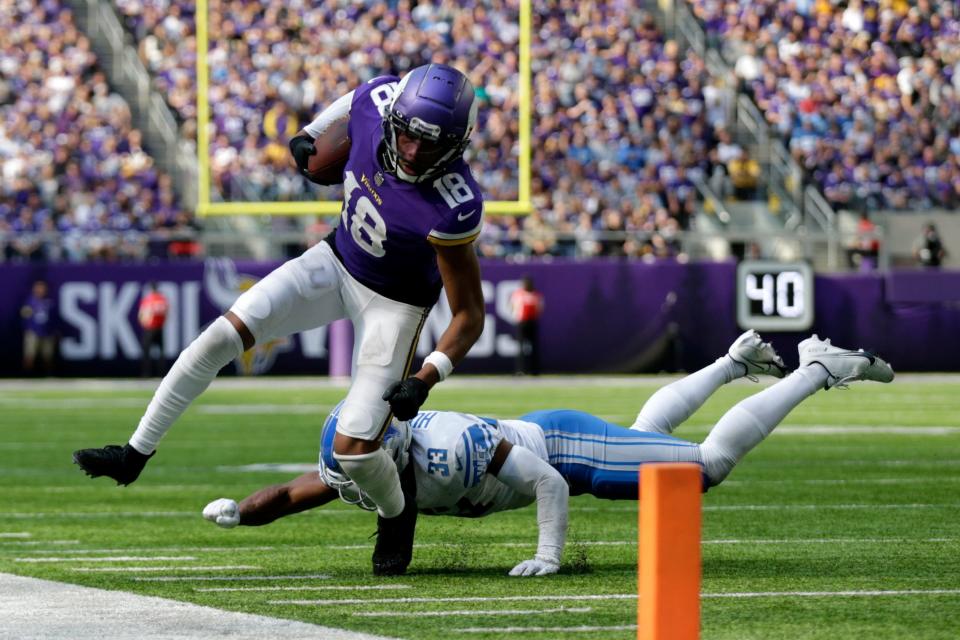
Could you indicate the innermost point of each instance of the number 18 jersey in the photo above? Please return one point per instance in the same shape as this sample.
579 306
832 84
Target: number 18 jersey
388 226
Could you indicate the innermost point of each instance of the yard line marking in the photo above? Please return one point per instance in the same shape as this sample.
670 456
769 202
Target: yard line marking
846 481
785 507
814 507
849 430
110 559
183 549
326 587
467 612
620 596
98 514
314 576
15 534
583 629
828 594
280 467
72 403
263 409
37 543
25 515
609 596
235 567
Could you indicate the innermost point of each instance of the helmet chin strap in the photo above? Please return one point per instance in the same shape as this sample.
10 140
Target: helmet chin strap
407 177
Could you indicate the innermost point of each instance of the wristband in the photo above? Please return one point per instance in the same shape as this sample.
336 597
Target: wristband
441 362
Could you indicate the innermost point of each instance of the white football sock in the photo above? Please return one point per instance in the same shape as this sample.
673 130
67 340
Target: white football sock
752 419
666 409
376 475
189 376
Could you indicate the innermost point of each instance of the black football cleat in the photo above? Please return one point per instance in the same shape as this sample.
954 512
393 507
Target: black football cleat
394 548
123 464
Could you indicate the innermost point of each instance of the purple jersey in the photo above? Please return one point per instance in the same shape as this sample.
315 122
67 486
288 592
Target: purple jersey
388 227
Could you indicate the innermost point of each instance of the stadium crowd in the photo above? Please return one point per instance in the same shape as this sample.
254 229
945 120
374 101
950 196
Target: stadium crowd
608 156
866 93
624 123
77 182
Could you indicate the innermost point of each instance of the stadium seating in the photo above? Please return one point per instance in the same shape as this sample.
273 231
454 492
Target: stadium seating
866 94
77 182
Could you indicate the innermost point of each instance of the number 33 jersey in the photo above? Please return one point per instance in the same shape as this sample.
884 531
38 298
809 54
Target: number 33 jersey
451 452
387 226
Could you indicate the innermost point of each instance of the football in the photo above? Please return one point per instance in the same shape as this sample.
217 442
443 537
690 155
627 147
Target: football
332 150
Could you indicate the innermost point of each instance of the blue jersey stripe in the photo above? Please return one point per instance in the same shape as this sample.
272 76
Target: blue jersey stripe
628 442
600 464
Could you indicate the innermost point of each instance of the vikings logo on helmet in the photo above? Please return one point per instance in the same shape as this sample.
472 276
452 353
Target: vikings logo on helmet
435 104
396 441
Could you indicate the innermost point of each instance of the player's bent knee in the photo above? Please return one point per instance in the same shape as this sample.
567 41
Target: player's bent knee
348 445
246 336
220 342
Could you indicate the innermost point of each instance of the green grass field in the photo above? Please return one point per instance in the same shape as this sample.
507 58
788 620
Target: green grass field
856 492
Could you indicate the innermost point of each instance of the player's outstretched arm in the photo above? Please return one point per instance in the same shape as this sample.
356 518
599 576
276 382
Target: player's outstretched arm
525 473
270 503
460 272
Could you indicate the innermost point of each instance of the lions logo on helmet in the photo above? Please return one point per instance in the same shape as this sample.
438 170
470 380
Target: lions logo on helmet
435 104
396 441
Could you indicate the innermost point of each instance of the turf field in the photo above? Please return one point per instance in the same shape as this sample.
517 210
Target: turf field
845 523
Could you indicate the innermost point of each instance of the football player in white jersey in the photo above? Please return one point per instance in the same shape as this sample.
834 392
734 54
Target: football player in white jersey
470 466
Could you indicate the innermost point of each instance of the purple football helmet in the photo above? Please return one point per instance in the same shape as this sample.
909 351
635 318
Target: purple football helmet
435 104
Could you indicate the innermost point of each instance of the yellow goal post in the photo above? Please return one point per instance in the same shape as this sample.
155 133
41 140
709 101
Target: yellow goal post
207 207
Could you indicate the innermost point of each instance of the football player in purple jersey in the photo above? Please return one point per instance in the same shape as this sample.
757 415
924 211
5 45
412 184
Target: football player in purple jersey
411 212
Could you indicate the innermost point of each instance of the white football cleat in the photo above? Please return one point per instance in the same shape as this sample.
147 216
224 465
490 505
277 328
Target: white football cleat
224 512
757 356
843 365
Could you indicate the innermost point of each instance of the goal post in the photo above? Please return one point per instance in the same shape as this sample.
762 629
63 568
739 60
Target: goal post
668 562
206 206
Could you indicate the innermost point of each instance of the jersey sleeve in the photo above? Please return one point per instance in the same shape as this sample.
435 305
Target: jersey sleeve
374 95
461 207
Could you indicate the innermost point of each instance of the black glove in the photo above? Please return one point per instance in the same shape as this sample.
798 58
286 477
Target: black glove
301 147
406 396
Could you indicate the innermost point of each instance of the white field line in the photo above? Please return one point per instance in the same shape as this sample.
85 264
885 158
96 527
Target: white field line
846 481
285 547
580 629
73 403
467 612
834 594
326 587
313 576
425 600
785 507
25 515
853 430
623 596
59 559
15 534
263 409
32 608
235 567
583 543
5 543
273 467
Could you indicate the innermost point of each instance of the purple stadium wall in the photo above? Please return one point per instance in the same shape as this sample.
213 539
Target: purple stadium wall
604 316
